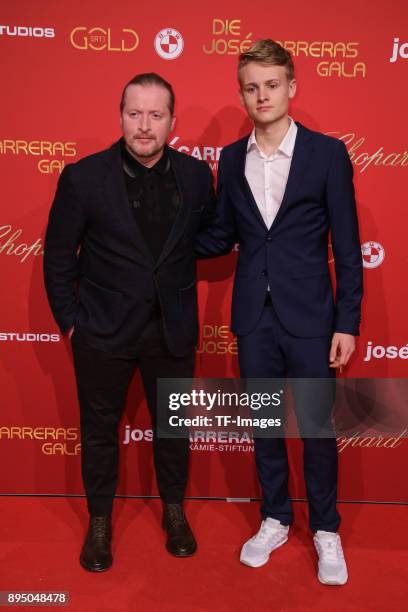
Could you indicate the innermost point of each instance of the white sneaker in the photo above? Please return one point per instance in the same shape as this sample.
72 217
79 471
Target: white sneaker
272 534
332 566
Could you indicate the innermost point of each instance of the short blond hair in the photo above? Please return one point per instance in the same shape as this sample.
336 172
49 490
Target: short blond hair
267 51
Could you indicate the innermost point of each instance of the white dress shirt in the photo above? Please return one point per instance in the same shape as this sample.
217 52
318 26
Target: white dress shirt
267 175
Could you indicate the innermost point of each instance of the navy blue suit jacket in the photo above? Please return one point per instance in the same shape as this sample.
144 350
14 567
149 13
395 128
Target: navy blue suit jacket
292 256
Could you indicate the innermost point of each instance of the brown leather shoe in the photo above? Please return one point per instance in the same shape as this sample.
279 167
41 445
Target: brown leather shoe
180 538
96 553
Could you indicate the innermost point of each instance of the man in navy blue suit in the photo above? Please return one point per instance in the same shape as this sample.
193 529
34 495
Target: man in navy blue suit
282 190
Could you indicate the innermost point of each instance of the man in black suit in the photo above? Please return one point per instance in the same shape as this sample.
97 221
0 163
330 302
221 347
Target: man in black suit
120 277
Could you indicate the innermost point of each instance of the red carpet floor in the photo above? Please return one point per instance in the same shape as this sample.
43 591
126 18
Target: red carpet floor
41 538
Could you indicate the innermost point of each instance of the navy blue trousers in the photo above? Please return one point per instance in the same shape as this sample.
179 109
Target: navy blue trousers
271 352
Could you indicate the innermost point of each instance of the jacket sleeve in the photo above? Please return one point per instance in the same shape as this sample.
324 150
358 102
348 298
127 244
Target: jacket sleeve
345 242
65 228
220 235
210 200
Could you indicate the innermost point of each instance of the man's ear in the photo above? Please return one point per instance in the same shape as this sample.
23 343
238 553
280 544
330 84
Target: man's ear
173 122
292 88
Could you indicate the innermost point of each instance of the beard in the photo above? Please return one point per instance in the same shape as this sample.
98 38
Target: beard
144 150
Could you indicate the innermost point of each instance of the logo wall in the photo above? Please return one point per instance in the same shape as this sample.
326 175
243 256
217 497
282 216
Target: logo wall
363 159
28 337
377 351
11 244
27 31
104 39
373 254
227 38
398 50
337 57
211 155
55 440
169 43
217 340
44 149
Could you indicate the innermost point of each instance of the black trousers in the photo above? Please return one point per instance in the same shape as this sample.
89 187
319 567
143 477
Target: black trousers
269 351
103 380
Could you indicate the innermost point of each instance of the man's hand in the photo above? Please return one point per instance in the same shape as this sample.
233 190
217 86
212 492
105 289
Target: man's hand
342 347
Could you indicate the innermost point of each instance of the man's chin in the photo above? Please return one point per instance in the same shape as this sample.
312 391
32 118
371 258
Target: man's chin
146 152
264 119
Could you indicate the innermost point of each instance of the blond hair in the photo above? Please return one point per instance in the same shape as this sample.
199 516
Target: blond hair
267 51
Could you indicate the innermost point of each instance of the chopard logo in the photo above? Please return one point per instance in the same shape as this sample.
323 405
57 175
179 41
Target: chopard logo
363 159
209 154
10 244
361 441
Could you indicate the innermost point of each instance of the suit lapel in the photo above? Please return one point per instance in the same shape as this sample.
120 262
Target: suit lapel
182 216
300 162
249 196
115 191
302 154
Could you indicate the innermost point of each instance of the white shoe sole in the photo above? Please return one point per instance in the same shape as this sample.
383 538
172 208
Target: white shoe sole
333 581
261 563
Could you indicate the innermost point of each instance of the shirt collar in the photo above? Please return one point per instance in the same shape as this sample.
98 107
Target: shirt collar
160 167
286 146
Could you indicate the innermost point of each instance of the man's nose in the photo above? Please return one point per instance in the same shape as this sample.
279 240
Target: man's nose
262 94
145 123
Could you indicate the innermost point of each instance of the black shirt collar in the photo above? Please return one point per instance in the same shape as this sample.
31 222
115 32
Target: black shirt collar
161 166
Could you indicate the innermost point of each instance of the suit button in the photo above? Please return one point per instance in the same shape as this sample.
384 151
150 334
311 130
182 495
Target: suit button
269 239
264 273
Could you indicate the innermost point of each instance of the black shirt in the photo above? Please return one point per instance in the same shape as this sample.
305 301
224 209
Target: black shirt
153 196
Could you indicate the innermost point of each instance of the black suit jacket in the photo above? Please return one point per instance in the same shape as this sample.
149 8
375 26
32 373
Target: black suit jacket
99 273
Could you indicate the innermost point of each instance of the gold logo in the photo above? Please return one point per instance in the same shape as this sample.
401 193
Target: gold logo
341 69
12 245
40 148
60 448
363 160
63 438
218 340
333 51
101 39
361 441
227 38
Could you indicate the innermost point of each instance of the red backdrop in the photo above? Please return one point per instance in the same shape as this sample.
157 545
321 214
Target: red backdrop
62 72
